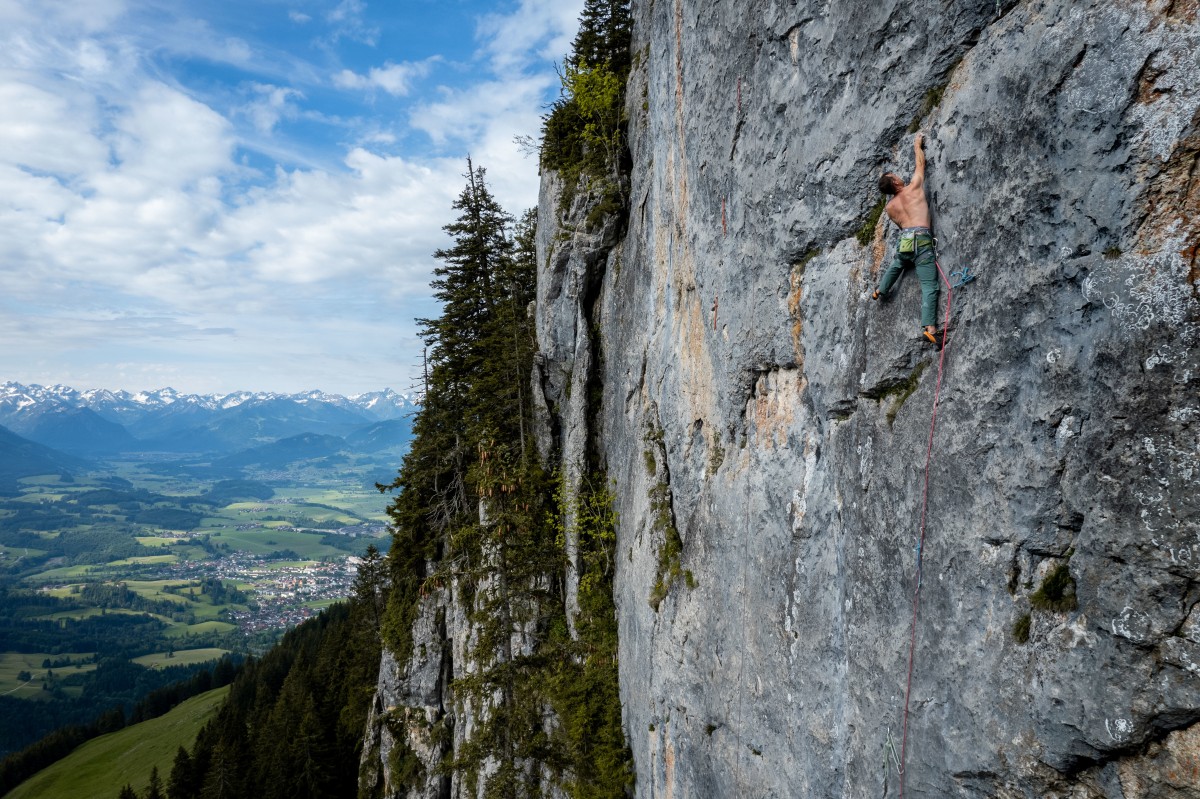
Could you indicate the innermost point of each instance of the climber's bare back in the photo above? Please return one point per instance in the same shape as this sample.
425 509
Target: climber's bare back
909 207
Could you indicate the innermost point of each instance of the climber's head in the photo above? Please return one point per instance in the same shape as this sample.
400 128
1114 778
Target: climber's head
890 183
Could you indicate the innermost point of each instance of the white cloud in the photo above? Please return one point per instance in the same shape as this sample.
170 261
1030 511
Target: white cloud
312 226
144 208
347 21
237 51
299 17
85 15
270 105
347 10
537 29
395 79
46 131
468 114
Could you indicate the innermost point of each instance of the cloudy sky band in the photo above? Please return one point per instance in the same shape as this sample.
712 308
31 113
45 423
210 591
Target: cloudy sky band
248 201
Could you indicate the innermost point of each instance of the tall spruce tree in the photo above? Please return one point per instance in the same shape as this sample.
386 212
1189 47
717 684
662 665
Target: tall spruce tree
432 492
603 39
475 506
371 586
182 783
472 451
155 789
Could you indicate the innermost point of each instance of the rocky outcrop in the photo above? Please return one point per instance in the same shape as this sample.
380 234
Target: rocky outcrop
767 425
410 727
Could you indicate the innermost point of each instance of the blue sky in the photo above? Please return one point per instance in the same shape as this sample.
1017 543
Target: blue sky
223 195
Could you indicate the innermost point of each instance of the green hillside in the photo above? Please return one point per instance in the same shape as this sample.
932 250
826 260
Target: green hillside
99 768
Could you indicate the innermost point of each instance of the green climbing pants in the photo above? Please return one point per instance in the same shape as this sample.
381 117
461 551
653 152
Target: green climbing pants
921 255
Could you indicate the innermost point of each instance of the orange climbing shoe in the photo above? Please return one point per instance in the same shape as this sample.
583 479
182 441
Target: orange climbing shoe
937 339
875 294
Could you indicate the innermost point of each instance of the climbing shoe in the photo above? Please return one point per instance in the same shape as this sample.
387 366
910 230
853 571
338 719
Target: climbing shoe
937 339
875 294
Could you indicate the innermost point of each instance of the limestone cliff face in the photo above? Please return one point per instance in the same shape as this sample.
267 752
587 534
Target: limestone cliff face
767 424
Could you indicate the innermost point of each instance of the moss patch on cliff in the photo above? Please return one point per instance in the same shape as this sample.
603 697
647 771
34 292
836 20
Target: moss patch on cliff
1020 628
716 454
1057 591
931 100
799 264
662 518
897 391
404 767
866 231
670 567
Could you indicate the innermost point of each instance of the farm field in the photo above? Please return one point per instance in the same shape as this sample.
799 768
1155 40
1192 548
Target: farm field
182 657
13 663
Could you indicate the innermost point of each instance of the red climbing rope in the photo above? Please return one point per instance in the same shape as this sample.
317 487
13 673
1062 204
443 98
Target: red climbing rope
912 644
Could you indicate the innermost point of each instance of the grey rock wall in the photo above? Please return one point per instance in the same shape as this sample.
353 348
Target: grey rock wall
412 719
752 389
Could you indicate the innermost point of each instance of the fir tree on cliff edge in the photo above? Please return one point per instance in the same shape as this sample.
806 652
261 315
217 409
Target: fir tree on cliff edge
603 39
584 133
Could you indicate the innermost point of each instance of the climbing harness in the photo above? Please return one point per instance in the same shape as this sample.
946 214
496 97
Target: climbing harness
920 543
964 276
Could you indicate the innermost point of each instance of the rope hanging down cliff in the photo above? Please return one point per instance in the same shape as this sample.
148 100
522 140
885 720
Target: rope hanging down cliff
912 644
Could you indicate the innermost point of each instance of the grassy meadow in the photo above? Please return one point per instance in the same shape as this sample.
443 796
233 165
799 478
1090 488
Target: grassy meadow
99 768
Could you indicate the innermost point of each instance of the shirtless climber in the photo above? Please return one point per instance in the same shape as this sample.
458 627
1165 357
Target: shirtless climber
909 209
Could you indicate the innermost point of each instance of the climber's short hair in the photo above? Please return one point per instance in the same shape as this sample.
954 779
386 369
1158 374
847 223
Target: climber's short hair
888 181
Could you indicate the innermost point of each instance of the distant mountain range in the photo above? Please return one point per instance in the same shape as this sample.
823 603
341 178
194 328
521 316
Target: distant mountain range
102 422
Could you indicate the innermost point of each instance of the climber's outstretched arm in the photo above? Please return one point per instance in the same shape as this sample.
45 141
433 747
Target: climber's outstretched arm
918 178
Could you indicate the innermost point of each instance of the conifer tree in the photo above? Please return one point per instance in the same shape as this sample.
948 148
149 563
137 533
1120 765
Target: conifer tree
583 136
370 586
182 782
154 790
432 483
291 726
473 445
603 38
314 775
221 781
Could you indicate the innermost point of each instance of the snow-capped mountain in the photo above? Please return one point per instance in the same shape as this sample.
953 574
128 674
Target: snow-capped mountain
14 396
168 420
